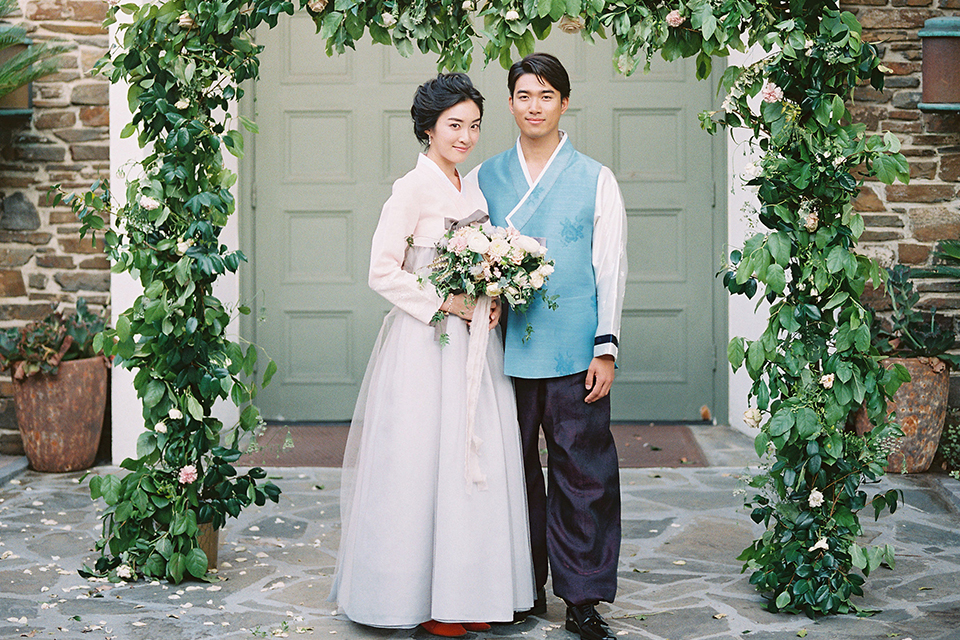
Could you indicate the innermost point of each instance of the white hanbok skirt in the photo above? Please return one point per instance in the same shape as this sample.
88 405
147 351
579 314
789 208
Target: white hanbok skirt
419 541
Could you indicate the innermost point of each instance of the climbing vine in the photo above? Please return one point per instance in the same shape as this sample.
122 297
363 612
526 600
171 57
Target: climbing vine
813 365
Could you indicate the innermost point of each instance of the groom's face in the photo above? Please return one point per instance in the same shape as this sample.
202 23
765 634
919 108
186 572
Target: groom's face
536 106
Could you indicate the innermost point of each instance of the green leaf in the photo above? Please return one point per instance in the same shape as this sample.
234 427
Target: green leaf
196 562
110 489
154 393
783 599
194 408
776 278
760 444
268 374
781 422
175 567
735 353
779 246
146 444
808 425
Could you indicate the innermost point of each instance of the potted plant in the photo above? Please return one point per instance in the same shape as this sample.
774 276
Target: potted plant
21 62
59 387
915 343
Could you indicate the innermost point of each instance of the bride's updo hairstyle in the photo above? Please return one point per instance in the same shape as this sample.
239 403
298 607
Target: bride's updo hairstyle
437 95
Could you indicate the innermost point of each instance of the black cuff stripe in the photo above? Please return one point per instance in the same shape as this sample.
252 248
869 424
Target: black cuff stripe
605 339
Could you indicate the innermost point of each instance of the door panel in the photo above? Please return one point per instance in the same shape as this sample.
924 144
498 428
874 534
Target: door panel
336 132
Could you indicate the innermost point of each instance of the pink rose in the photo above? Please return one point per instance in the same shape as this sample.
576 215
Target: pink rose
674 19
771 93
188 474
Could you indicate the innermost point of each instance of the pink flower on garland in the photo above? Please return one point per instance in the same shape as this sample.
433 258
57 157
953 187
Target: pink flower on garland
188 474
674 19
771 93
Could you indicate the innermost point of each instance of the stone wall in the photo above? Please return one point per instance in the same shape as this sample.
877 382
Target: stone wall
43 262
905 222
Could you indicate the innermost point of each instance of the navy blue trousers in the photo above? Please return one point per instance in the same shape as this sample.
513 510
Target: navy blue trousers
575 519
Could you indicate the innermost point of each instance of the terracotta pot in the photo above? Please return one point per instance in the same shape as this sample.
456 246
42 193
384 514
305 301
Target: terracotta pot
60 417
208 539
921 407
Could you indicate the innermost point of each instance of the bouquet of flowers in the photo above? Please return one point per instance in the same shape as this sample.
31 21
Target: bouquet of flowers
482 259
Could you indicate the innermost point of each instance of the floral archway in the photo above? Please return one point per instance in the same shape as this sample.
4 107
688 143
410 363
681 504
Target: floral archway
184 62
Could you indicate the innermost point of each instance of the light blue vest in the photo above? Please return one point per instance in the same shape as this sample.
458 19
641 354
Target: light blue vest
560 209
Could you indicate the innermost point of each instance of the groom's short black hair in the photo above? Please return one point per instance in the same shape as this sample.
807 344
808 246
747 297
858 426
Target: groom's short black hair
544 66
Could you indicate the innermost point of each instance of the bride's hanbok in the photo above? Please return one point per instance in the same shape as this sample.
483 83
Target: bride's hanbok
422 537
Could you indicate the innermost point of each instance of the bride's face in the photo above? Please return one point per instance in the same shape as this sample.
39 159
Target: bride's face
455 134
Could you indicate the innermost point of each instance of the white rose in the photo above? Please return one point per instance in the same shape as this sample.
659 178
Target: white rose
827 381
493 289
317 6
752 417
498 248
182 104
545 270
183 245
149 203
815 499
125 572
478 242
175 414
467 5
511 15
569 24
527 245
811 221
536 279
388 20
160 427
521 279
186 21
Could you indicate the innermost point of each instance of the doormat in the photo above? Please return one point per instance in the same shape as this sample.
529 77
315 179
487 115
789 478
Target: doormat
321 445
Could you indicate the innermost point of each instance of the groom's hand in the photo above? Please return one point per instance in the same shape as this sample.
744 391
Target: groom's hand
599 378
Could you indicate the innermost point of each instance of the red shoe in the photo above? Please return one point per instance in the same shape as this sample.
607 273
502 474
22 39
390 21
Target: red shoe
445 629
475 626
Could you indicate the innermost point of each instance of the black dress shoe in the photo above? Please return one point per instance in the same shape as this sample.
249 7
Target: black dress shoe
584 620
538 609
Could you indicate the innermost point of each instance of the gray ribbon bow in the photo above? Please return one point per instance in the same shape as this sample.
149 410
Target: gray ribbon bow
452 224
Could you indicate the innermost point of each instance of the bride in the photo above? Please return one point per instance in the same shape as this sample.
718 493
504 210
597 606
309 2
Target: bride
422 543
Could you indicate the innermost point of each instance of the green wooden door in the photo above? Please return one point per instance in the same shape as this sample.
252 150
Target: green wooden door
334 135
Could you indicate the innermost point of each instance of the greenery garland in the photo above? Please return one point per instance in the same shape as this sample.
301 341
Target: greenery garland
812 367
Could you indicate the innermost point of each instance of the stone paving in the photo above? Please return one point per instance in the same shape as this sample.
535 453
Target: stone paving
683 529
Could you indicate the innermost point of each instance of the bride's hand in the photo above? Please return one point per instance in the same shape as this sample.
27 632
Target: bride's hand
495 310
459 305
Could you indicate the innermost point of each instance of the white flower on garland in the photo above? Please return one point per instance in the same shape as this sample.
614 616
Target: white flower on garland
124 572
674 19
826 381
182 104
388 20
821 544
811 221
752 417
160 427
186 21
771 93
815 499
317 6
511 15
570 24
184 245
149 203
175 414
467 5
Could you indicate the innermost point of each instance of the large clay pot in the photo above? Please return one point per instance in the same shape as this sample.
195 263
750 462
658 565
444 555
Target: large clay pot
921 407
60 417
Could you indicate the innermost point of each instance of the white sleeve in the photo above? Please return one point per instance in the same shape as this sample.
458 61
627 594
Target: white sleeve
609 262
398 221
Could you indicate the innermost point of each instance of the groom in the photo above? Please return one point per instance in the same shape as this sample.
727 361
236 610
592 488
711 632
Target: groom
563 372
